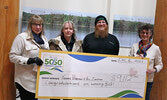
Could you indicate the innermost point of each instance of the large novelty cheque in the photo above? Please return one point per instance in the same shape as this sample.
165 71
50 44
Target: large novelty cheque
67 75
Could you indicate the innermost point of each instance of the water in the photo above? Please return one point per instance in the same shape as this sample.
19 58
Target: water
53 31
126 38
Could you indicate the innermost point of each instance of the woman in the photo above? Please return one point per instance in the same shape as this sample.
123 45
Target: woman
66 41
24 53
146 48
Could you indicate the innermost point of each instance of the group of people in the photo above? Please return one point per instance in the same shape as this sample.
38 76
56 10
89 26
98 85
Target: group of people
25 48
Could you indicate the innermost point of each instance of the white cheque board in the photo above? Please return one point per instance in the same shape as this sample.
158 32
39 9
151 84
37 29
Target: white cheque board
68 75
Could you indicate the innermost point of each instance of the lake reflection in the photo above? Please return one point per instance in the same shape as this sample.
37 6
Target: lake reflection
126 38
53 31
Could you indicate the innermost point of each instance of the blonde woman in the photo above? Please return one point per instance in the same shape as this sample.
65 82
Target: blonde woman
67 40
24 53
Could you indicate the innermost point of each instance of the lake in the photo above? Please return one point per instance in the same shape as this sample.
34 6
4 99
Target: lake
126 38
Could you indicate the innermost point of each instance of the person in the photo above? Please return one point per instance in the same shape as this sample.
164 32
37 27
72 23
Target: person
24 53
66 40
101 41
146 48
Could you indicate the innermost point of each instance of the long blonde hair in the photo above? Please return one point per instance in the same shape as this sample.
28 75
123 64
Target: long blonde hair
34 19
73 27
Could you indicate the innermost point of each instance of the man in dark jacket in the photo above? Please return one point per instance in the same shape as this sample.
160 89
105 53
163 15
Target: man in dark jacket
101 41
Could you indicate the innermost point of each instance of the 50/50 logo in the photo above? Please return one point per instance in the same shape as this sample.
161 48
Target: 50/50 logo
57 62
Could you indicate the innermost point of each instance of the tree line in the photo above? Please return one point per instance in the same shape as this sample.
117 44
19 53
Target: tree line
123 25
59 19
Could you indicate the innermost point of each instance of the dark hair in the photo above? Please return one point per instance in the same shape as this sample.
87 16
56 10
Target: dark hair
146 27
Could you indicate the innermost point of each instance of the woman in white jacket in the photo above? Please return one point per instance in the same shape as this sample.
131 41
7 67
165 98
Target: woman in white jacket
146 48
24 53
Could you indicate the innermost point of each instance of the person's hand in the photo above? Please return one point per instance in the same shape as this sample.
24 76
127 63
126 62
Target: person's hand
36 60
153 70
141 55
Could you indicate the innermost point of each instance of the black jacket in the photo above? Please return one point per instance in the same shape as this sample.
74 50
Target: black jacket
108 45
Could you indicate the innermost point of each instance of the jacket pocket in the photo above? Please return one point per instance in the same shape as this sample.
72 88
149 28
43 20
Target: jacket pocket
29 48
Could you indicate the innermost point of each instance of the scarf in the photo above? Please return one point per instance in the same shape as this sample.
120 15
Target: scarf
37 38
69 46
142 49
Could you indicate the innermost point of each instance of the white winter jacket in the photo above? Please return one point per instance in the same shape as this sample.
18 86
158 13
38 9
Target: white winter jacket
22 49
154 55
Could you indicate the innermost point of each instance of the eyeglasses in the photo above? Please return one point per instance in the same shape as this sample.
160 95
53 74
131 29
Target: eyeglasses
101 22
145 33
34 24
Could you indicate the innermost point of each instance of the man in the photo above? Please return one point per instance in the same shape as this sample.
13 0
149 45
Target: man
101 41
